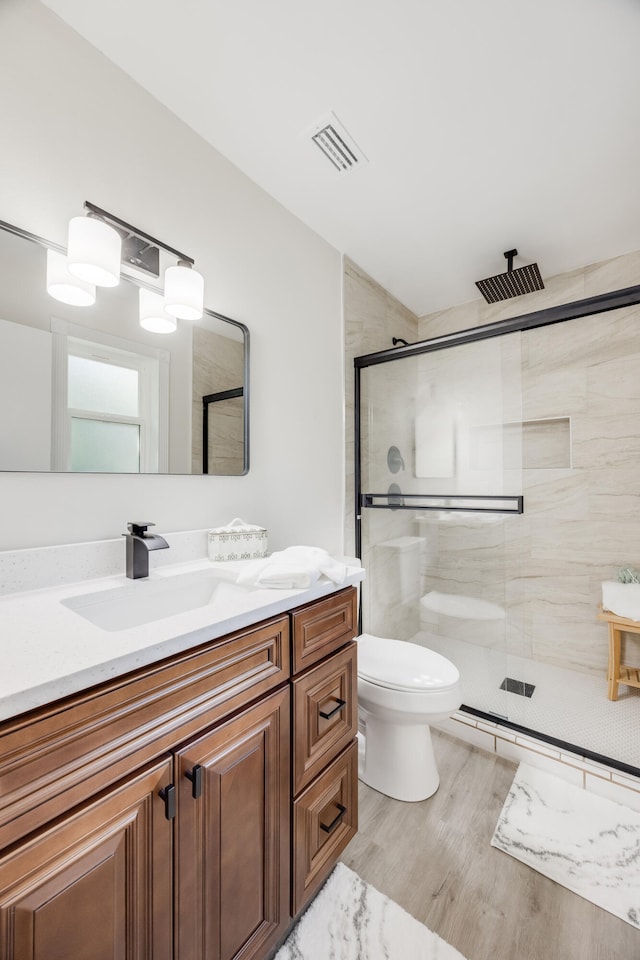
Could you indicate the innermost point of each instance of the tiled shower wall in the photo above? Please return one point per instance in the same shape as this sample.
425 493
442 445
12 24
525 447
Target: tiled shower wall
372 318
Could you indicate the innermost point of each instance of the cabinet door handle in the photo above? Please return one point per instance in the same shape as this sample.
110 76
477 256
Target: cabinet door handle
168 794
327 714
195 775
328 827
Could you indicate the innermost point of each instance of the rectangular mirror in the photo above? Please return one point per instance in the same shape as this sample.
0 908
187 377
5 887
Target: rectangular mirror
87 389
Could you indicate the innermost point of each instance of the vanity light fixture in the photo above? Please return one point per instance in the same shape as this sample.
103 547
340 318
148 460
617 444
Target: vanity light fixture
153 316
98 244
62 286
184 291
94 250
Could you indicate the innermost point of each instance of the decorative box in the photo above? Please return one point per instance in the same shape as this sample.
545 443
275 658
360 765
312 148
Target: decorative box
237 541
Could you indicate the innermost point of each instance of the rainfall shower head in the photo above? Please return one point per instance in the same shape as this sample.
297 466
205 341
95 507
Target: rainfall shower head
513 283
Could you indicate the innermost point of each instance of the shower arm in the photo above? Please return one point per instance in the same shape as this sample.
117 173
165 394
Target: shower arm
509 255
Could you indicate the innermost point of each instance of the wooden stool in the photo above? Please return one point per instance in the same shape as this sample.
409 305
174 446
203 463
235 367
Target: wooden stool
617 672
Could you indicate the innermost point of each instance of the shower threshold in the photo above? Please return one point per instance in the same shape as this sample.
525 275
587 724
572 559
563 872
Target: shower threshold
569 709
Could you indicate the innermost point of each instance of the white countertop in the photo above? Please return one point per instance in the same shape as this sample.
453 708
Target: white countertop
48 651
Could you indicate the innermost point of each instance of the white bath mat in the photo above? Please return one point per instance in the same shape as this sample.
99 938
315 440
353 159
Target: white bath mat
586 843
351 920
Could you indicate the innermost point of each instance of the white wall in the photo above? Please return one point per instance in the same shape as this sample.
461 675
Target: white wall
73 127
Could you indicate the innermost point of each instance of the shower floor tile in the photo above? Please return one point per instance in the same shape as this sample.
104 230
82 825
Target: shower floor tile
565 704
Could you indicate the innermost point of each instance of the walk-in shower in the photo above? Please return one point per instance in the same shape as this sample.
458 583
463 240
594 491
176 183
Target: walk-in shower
513 496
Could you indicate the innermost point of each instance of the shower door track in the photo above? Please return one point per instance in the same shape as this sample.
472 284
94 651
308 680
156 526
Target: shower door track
552 741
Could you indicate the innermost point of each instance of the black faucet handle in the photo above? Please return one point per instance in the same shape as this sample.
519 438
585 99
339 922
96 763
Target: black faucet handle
139 528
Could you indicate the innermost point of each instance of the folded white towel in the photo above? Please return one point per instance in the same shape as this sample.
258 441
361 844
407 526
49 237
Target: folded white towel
622 599
293 569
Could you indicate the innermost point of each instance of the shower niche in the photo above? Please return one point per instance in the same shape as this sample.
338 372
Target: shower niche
543 444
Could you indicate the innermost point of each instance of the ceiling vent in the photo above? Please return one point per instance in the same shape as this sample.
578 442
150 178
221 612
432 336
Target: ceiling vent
337 144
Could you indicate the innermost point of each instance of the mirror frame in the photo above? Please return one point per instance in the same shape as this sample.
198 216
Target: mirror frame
50 245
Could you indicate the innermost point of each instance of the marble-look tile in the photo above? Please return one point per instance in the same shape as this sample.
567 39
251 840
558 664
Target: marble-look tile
606 440
350 920
613 385
582 841
560 494
464 316
615 274
554 392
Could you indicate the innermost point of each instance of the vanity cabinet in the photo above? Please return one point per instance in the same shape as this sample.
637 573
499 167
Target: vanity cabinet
154 815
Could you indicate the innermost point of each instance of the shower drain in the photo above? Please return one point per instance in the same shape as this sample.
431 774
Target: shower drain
517 686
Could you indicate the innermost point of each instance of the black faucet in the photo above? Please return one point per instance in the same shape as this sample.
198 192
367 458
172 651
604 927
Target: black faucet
139 543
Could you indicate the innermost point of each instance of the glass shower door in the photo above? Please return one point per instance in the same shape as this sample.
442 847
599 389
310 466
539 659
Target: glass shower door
441 521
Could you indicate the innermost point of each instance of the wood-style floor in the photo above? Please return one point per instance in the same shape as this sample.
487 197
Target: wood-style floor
435 859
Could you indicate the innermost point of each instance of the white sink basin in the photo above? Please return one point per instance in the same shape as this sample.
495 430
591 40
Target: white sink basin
144 601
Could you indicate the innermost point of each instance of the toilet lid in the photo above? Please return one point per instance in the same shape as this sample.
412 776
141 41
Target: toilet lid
400 665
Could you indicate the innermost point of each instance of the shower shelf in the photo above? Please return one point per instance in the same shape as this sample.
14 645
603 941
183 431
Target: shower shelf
421 501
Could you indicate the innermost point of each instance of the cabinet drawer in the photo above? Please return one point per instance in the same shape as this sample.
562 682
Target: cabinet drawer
325 818
322 627
325 714
58 756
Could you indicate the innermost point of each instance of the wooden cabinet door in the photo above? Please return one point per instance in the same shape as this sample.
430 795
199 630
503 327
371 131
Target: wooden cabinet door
232 839
97 885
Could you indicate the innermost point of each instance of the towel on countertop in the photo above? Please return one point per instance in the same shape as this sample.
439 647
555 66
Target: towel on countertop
293 569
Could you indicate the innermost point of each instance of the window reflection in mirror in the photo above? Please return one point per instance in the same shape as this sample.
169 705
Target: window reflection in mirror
87 389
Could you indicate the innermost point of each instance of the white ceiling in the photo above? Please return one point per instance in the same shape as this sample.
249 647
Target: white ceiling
488 124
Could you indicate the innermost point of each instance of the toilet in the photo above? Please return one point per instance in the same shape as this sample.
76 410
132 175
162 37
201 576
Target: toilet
402 688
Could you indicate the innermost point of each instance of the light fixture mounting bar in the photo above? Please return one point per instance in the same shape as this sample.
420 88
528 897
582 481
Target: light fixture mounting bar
139 249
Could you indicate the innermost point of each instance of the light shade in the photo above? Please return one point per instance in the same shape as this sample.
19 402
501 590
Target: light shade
64 287
153 316
94 251
183 292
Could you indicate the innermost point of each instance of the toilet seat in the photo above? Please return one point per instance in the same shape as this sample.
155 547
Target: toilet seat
399 665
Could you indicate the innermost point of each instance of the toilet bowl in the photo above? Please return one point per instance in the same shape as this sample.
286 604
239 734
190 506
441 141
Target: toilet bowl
402 688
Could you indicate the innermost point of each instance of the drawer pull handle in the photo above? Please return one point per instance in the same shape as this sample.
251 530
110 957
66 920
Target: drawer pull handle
168 794
328 827
331 713
195 776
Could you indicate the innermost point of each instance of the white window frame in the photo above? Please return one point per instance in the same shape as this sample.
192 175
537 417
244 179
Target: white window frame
153 385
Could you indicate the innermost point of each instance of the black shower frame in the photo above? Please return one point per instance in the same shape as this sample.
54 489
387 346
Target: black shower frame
215 398
574 310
